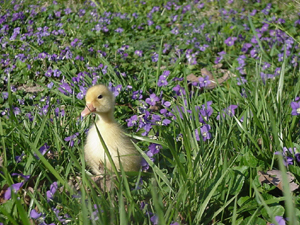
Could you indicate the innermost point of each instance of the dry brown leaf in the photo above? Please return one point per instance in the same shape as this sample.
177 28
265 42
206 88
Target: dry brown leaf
213 82
105 183
192 78
2 192
260 142
1 161
205 73
218 66
30 89
155 107
275 177
176 25
32 182
27 198
74 182
161 68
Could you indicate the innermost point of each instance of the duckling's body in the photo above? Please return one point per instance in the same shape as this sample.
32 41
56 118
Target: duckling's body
100 100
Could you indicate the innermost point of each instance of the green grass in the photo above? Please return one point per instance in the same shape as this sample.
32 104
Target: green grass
190 181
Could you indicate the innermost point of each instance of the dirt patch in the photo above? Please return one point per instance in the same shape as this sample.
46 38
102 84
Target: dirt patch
30 89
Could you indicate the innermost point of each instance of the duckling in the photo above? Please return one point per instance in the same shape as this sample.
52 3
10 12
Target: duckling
101 101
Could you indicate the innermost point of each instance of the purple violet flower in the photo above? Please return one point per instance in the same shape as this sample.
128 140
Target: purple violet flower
162 81
135 15
154 148
132 121
267 9
179 90
204 81
241 80
253 12
167 48
157 27
295 108
115 90
230 41
266 66
191 58
145 165
200 6
17 111
154 57
297 157
205 132
65 88
67 11
19 158
154 220
205 112
254 40
219 59
165 74
15 33
81 12
245 47
175 31
72 139
51 192
138 53
264 28
228 111
147 127
166 122
280 57
155 118
137 95
44 110
150 22
119 30
280 220
265 76
82 92
43 150
5 95
152 100
56 73
202 48
15 187
288 154
253 53
26 177
34 214
48 73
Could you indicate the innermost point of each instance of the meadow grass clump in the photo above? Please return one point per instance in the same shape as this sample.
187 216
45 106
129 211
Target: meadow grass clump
209 90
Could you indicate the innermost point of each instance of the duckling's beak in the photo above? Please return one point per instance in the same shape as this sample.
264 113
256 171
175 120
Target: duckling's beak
88 109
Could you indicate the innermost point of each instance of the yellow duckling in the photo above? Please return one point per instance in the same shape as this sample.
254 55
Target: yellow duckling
101 101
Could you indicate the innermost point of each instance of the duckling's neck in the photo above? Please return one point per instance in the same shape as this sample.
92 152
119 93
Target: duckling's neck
107 117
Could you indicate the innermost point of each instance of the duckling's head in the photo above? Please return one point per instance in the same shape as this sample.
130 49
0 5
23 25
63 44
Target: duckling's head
100 100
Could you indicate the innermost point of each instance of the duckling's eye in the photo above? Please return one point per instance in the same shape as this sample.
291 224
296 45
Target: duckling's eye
100 96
